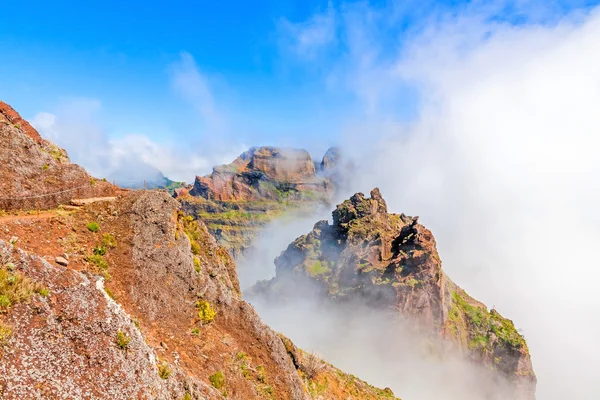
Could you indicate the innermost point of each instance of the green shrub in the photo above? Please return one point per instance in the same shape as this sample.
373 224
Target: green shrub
45 167
14 288
192 231
43 291
123 340
196 249
217 379
98 261
164 371
109 241
56 153
5 334
5 301
262 376
206 313
269 390
93 226
99 250
197 266
187 396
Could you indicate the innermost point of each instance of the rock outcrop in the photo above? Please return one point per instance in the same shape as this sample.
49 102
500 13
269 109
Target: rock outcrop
236 199
9 115
37 173
263 173
390 262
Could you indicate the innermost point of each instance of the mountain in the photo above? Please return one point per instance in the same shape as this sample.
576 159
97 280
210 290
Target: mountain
143 177
130 298
389 262
237 199
36 173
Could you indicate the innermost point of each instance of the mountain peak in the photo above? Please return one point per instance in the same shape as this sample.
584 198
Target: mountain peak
389 262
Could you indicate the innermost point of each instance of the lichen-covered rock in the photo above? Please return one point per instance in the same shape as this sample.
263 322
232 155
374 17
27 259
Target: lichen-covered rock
390 262
65 344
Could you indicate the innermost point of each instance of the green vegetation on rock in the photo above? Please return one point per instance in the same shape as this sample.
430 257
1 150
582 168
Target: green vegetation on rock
217 379
318 268
206 314
123 340
482 329
93 226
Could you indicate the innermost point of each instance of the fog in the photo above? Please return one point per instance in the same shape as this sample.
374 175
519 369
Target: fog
381 348
501 164
257 261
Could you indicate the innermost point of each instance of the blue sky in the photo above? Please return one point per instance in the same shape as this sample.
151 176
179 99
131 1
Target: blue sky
274 72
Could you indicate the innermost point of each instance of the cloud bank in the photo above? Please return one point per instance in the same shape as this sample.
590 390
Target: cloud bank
76 125
500 162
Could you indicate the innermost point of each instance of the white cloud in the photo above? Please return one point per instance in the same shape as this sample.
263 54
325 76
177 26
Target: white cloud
194 86
309 38
131 158
501 164
75 125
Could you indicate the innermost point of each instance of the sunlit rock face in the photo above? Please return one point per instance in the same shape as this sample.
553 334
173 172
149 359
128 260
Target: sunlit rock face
236 200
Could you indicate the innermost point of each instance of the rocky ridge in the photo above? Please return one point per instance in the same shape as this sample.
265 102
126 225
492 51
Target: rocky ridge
237 199
390 262
37 173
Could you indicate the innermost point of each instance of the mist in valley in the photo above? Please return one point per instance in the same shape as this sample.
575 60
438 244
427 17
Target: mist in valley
501 164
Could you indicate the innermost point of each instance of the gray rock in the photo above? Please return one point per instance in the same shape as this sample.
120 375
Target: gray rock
61 261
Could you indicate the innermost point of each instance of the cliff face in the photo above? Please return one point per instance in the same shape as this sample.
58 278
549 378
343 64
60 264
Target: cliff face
264 173
237 199
35 172
390 262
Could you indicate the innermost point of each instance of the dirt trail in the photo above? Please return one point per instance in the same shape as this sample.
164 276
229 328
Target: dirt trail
82 202
77 203
41 215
